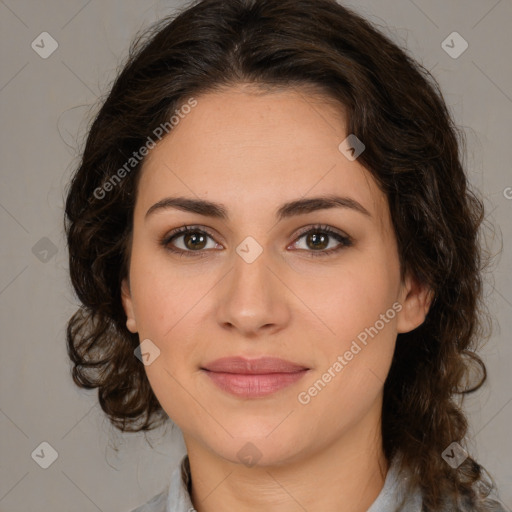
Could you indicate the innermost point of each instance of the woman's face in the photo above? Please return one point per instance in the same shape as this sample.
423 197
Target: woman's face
255 283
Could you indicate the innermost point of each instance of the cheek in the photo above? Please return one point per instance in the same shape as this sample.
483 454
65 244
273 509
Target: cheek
161 310
166 302
360 309
354 296
160 294
355 360
172 391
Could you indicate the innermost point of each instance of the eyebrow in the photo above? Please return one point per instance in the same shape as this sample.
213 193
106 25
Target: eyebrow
287 210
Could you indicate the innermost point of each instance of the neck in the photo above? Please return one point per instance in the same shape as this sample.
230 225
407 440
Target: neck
346 475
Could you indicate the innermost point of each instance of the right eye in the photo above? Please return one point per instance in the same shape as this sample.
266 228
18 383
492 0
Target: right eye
194 240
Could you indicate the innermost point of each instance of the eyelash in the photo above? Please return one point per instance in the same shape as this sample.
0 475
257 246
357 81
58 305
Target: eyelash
345 241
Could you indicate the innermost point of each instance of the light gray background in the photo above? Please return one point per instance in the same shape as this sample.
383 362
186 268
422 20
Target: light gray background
45 107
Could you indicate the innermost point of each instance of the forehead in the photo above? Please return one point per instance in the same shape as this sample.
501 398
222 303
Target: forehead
254 149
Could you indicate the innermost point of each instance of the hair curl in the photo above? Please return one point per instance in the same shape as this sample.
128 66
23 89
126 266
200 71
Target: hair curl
412 150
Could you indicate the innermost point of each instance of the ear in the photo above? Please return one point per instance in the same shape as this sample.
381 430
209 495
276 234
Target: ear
416 299
126 298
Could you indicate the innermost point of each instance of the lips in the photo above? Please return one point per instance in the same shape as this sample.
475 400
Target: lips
263 365
253 378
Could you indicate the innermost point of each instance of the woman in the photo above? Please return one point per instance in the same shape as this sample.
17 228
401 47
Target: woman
276 247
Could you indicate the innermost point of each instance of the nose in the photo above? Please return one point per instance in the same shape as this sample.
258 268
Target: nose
253 300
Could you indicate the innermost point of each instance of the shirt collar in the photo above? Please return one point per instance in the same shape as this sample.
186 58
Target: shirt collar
395 495
178 499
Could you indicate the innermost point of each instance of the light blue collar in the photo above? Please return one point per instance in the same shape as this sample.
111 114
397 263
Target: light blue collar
392 498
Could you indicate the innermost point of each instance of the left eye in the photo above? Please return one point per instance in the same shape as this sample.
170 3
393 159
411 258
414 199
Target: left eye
194 240
319 238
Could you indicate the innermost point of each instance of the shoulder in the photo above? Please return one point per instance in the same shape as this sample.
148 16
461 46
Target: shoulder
176 497
487 504
400 490
156 504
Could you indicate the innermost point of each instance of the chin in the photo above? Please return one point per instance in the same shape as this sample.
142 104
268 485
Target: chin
259 450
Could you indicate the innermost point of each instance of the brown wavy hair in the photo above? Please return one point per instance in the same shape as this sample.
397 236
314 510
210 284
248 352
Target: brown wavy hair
413 150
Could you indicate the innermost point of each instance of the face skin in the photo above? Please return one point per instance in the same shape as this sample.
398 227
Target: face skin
252 152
